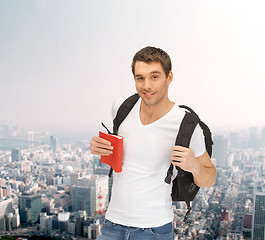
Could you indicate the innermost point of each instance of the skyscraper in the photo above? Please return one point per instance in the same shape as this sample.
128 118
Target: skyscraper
91 194
53 143
29 207
45 223
105 171
263 137
234 142
258 224
16 155
220 151
73 178
82 199
253 138
263 166
6 207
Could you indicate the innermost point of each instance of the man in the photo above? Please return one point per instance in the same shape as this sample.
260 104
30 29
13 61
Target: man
141 205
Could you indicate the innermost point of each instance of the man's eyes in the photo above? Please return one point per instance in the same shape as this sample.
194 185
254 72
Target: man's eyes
142 78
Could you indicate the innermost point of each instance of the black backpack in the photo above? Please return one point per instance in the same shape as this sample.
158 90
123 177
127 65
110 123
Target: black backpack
184 188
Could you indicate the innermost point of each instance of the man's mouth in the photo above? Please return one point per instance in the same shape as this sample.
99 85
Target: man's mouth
148 95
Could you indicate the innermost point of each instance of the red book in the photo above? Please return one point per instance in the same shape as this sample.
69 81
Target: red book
115 159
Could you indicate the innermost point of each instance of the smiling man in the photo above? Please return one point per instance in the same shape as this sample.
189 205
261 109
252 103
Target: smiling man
141 204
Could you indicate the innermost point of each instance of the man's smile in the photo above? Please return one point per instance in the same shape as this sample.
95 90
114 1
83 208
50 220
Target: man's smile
148 95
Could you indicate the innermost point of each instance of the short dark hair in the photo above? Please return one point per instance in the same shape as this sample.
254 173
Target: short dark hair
152 54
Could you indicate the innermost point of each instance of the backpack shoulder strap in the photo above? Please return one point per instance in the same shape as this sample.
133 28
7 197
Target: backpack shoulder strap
207 137
123 111
206 132
186 129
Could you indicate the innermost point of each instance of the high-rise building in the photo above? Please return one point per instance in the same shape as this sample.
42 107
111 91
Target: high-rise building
16 155
9 217
31 139
91 194
6 207
82 199
43 221
263 166
53 143
2 224
5 191
220 151
29 207
91 229
247 225
63 218
71 226
104 170
261 169
253 138
234 142
9 221
263 137
79 226
16 219
73 178
258 220
101 185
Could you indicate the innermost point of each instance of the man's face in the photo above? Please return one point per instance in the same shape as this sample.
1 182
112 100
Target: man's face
151 82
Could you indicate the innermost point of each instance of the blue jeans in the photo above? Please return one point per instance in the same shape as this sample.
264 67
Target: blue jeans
113 231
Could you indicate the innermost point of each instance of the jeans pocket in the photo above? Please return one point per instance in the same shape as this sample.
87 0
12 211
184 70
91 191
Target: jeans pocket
163 231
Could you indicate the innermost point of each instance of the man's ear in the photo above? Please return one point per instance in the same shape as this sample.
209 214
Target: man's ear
169 78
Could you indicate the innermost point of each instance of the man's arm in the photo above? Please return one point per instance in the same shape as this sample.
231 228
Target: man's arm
201 167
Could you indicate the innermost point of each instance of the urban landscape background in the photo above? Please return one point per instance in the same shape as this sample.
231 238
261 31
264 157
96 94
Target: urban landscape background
62 191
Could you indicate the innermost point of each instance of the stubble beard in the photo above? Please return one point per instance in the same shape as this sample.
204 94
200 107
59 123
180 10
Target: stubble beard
154 101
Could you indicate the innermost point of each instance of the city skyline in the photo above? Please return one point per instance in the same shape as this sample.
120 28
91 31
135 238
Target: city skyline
62 64
65 190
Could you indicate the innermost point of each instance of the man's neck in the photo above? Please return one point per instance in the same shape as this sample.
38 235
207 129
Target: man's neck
152 113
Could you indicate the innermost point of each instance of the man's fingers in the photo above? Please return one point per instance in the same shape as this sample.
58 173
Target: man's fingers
104 146
98 142
179 148
101 140
177 154
176 159
177 163
103 152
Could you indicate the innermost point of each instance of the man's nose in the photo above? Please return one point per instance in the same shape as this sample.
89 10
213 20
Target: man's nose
147 84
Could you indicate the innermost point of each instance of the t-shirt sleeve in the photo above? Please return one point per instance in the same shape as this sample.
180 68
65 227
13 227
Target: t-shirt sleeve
197 142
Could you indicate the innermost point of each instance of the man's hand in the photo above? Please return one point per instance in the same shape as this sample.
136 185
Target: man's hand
201 167
184 158
100 146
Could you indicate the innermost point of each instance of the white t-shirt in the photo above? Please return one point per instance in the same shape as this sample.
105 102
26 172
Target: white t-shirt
140 197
